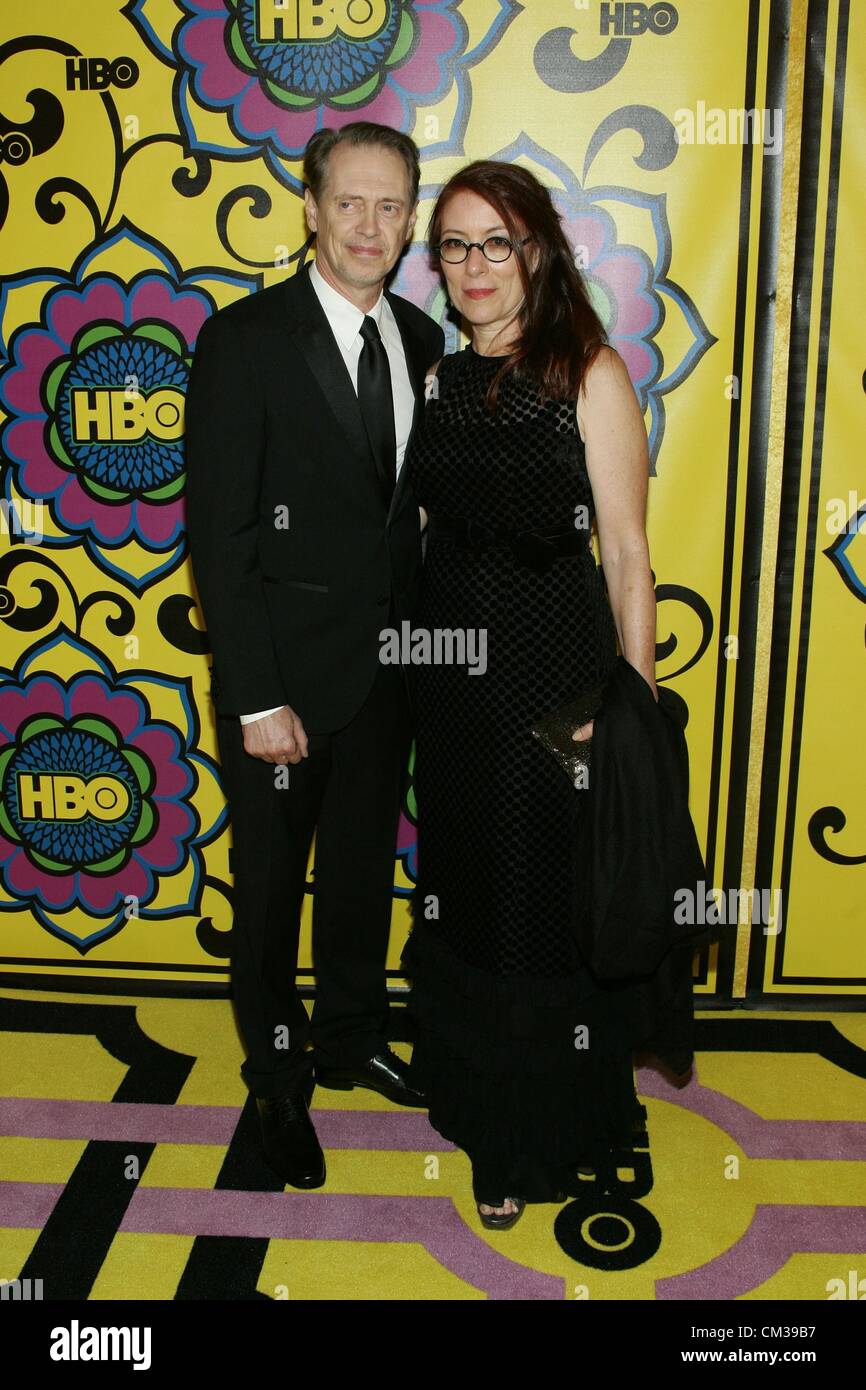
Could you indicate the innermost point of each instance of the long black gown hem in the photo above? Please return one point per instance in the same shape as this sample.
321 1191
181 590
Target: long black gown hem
499 1022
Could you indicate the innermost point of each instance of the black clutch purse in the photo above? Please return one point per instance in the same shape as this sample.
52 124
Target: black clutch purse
555 730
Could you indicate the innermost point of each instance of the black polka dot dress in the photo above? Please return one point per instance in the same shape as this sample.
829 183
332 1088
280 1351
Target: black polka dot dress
525 1057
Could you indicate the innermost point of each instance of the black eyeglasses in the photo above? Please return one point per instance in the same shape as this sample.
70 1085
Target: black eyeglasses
496 248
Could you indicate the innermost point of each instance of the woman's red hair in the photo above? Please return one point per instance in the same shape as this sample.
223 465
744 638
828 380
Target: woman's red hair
560 332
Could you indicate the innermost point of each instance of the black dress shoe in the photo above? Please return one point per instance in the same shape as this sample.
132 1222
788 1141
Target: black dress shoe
385 1072
290 1141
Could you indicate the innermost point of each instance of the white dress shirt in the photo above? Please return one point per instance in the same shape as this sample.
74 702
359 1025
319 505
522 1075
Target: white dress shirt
345 319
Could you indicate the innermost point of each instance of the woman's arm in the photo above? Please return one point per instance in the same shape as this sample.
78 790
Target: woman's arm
617 460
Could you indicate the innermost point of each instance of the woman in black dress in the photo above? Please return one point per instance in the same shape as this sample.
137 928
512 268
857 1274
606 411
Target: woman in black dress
526 1059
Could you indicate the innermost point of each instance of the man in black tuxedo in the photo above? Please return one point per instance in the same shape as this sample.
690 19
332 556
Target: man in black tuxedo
305 543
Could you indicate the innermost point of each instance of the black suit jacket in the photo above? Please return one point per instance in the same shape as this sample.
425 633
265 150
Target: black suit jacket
296 554
638 845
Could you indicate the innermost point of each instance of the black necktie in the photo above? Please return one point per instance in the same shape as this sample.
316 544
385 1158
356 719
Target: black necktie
377 404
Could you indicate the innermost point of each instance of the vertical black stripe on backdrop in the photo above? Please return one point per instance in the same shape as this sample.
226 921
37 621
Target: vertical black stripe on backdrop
733 831
723 983
798 358
814 94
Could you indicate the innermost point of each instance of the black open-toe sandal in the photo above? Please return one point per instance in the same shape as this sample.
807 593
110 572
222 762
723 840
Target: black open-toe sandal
500 1223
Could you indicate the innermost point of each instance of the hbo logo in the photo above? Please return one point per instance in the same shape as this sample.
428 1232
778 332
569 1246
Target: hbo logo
95 74
626 20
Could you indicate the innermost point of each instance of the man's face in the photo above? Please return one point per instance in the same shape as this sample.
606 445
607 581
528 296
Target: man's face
363 218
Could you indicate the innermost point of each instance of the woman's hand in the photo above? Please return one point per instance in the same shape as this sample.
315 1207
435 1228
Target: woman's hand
585 730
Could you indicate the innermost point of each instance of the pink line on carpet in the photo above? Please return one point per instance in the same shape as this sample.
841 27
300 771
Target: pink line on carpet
775 1233
32 1118
756 1136
27 1205
432 1222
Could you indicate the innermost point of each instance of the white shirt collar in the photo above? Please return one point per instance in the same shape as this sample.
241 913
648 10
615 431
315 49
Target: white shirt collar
344 317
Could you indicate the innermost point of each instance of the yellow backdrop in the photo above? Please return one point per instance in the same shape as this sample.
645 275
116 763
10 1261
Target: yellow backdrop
706 162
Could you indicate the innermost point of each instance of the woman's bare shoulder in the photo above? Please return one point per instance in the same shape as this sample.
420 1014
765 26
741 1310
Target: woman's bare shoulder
605 382
606 368
606 392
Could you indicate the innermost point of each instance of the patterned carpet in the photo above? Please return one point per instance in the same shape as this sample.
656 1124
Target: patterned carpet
130 1169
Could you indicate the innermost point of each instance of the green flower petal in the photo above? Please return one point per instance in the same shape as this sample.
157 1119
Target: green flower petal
403 42
237 47
285 98
161 333
144 829
100 333
98 727
54 378
141 770
359 93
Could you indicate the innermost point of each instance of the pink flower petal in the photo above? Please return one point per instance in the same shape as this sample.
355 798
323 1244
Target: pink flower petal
202 6
292 129
172 777
422 73
218 80
635 313
100 893
25 439
158 745
588 231
157 522
262 117
77 510
41 697
386 108
175 823
636 357
406 832
35 353
71 310
123 710
25 880
156 298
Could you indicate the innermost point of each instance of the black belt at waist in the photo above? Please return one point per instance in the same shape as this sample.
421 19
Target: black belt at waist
536 549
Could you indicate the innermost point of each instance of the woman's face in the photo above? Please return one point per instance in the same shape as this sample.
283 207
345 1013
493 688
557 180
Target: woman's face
488 294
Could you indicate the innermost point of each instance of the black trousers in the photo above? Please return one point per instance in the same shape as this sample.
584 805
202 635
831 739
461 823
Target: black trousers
348 790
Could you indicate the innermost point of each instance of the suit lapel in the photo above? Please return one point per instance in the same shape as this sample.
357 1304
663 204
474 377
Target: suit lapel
417 364
318 347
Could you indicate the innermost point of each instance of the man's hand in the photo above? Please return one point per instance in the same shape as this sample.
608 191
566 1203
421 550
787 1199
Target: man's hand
276 738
